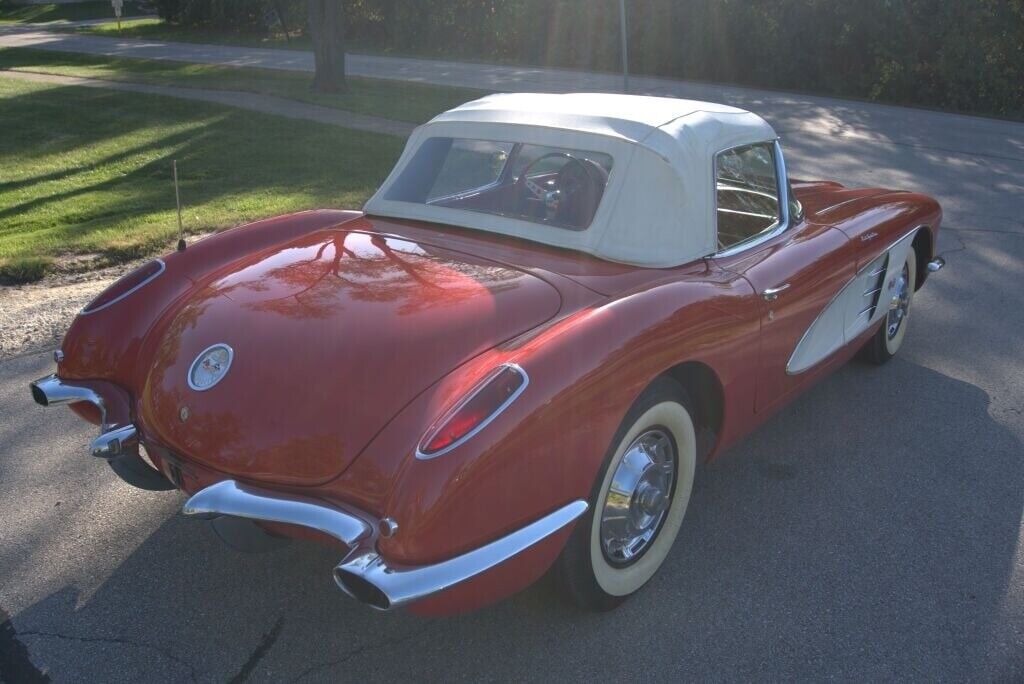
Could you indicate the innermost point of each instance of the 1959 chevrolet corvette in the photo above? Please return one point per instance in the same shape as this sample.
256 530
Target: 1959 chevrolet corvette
512 360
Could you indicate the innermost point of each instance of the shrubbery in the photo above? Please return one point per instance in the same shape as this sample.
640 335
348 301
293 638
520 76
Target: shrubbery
965 55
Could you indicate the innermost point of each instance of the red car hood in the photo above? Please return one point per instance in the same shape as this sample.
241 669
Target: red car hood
332 334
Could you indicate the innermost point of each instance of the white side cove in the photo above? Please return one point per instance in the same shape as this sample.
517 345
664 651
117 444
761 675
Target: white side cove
862 302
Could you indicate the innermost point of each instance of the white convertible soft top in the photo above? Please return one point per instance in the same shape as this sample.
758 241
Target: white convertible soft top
658 205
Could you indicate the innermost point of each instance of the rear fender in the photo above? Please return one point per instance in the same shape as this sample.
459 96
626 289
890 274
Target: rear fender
547 447
110 344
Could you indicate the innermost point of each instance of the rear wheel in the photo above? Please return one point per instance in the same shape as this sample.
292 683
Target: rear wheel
889 338
638 505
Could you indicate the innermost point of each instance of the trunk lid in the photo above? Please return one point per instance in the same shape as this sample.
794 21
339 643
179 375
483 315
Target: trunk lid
332 334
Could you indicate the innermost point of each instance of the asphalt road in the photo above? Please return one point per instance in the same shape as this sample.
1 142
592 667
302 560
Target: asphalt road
872 530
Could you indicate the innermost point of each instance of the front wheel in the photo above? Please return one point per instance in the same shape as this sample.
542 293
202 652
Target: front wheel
889 338
636 512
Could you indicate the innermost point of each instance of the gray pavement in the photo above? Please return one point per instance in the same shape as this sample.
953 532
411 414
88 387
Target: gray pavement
872 530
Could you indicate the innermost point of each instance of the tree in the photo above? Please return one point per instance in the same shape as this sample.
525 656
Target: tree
327 31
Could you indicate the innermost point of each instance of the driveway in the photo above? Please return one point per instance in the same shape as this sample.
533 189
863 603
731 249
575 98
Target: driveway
872 530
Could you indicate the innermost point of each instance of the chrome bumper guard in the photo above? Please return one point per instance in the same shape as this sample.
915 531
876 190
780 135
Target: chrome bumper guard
113 441
364 574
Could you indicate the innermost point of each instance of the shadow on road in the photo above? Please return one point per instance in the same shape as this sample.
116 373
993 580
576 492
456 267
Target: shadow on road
855 535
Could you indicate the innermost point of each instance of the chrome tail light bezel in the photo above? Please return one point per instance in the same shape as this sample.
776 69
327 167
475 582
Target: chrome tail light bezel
446 417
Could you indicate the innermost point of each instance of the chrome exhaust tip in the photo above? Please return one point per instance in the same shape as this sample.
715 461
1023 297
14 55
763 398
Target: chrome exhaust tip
361 589
936 264
52 390
39 395
368 578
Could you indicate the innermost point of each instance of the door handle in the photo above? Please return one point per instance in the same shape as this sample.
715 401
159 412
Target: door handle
772 293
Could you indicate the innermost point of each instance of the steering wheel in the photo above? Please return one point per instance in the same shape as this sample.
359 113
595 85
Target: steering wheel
558 201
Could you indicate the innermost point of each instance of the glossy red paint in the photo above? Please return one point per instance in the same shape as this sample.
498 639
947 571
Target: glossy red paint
354 333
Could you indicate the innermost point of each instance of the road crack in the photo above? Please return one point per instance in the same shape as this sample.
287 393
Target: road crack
366 648
121 641
261 650
15 664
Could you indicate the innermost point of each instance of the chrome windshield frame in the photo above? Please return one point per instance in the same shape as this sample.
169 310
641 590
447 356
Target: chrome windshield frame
781 182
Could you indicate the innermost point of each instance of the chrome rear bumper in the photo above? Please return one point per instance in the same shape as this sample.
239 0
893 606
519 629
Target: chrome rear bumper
364 574
231 498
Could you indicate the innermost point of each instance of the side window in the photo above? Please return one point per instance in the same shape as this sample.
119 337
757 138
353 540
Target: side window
747 193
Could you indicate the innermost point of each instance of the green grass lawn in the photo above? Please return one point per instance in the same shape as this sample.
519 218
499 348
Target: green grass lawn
86 171
101 9
377 97
158 29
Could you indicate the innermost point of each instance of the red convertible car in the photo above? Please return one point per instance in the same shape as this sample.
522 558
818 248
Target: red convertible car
512 360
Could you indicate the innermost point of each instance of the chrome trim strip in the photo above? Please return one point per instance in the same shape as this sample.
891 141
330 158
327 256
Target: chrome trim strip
399 586
832 301
52 390
232 498
462 402
86 310
781 180
866 310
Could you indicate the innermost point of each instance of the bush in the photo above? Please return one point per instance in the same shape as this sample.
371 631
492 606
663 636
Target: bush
965 56
23 270
238 15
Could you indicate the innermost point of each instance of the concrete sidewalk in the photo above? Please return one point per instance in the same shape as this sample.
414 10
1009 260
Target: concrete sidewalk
973 165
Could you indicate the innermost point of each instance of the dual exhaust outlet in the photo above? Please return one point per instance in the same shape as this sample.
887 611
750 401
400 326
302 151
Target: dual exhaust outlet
363 574
113 441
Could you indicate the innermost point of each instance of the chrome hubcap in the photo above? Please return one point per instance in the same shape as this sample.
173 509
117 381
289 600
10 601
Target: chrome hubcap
639 497
899 304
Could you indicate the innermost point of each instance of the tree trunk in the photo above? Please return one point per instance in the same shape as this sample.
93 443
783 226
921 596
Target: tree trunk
326 28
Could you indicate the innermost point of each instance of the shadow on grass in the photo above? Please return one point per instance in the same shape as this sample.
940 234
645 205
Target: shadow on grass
102 183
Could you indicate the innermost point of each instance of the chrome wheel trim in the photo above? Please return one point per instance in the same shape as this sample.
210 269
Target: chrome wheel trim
638 498
899 305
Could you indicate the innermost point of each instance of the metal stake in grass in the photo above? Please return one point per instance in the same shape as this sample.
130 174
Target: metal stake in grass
177 200
118 8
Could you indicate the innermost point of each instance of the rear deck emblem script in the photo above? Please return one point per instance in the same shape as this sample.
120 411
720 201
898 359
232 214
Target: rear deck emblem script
210 367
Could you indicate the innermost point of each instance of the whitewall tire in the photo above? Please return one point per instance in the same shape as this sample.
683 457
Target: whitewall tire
638 504
889 338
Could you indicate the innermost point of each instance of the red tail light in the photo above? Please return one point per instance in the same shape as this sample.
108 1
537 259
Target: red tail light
481 405
125 286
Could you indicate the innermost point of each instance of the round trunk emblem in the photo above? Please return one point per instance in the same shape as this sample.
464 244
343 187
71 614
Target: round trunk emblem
210 367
